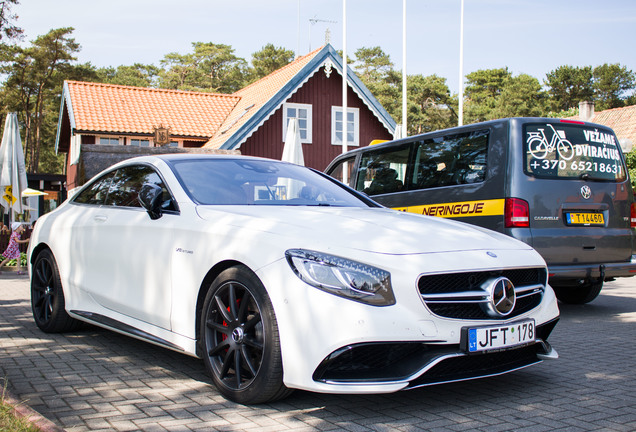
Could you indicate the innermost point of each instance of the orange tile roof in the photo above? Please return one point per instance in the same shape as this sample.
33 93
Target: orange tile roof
124 109
621 120
257 94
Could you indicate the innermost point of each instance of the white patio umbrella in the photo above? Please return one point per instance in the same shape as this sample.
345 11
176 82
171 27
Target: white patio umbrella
13 178
293 149
292 152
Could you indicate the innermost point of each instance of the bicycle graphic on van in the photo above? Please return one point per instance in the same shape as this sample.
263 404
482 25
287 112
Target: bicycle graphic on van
540 147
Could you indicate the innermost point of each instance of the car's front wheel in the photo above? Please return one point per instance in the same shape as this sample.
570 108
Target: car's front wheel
47 296
241 345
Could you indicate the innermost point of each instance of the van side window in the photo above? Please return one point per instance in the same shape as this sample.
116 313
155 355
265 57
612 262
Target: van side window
383 170
450 160
345 165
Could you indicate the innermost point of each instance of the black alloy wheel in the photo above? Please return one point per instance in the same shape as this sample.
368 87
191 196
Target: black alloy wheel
47 296
240 339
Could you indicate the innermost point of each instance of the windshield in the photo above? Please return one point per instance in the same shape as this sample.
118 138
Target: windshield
558 150
259 182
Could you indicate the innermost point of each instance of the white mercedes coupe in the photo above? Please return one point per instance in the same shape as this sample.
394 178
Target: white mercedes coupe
279 278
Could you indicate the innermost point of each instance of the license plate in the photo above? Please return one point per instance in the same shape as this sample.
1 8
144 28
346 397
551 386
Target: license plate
500 337
585 219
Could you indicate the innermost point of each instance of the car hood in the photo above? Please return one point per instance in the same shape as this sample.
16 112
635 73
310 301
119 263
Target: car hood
367 229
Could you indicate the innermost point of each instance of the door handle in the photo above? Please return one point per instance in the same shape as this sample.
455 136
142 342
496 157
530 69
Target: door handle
100 218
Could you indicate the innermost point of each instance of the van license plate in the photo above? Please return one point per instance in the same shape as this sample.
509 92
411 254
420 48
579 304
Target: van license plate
585 219
500 337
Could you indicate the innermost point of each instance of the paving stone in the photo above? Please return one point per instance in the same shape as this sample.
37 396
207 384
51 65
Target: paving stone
96 380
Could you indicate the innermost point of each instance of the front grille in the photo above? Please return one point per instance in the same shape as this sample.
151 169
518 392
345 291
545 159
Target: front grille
481 365
463 295
374 362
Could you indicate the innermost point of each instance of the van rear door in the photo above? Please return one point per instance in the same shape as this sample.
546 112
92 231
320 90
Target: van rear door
575 182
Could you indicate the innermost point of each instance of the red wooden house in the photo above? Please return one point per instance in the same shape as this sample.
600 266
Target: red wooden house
253 120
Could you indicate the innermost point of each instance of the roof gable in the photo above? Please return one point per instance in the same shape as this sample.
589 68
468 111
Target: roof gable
262 98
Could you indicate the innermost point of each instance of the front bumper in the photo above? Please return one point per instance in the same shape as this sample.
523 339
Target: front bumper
313 325
414 364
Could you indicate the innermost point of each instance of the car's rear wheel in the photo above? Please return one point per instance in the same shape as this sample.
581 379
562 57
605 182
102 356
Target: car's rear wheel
578 294
47 296
241 345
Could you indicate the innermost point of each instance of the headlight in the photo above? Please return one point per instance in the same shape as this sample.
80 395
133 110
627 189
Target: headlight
342 277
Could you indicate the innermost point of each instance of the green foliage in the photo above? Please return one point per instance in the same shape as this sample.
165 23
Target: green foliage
569 85
14 262
429 102
496 93
34 77
430 105
631 167
137 75
210 68
269 59
612 84
9 421
608 86
372 64
8 30
522 96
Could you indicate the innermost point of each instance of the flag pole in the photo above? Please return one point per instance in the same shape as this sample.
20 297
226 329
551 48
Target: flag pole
404 113
460 113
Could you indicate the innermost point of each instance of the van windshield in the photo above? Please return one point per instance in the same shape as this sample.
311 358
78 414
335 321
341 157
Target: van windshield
570 151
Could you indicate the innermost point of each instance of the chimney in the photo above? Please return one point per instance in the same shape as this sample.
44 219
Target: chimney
586 110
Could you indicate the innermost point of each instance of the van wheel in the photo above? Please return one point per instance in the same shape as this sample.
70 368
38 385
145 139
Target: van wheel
578 294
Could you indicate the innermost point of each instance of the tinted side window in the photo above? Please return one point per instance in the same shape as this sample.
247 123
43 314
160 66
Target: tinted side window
124 189
345 165
96 193
383 170
450 160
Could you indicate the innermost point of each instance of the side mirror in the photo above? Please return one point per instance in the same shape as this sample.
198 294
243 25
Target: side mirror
150 198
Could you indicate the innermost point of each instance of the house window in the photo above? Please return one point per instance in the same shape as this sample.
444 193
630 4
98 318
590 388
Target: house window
353 126
109 141
302 112
173 144
139 142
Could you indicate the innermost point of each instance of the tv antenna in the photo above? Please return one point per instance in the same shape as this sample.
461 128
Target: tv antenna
315 20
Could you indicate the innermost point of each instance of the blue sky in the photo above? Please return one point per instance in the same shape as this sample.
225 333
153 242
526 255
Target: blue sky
528 36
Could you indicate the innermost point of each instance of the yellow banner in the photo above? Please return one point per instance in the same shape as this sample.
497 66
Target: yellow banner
8 195
459 209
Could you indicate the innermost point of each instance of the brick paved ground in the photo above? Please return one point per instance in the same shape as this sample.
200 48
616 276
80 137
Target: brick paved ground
98 380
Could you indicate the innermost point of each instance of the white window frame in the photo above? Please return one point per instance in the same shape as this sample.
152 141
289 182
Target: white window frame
356 126
98 139
286 118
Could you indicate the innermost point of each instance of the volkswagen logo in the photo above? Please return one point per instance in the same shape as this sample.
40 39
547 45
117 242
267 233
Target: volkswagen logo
501 297
586 192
